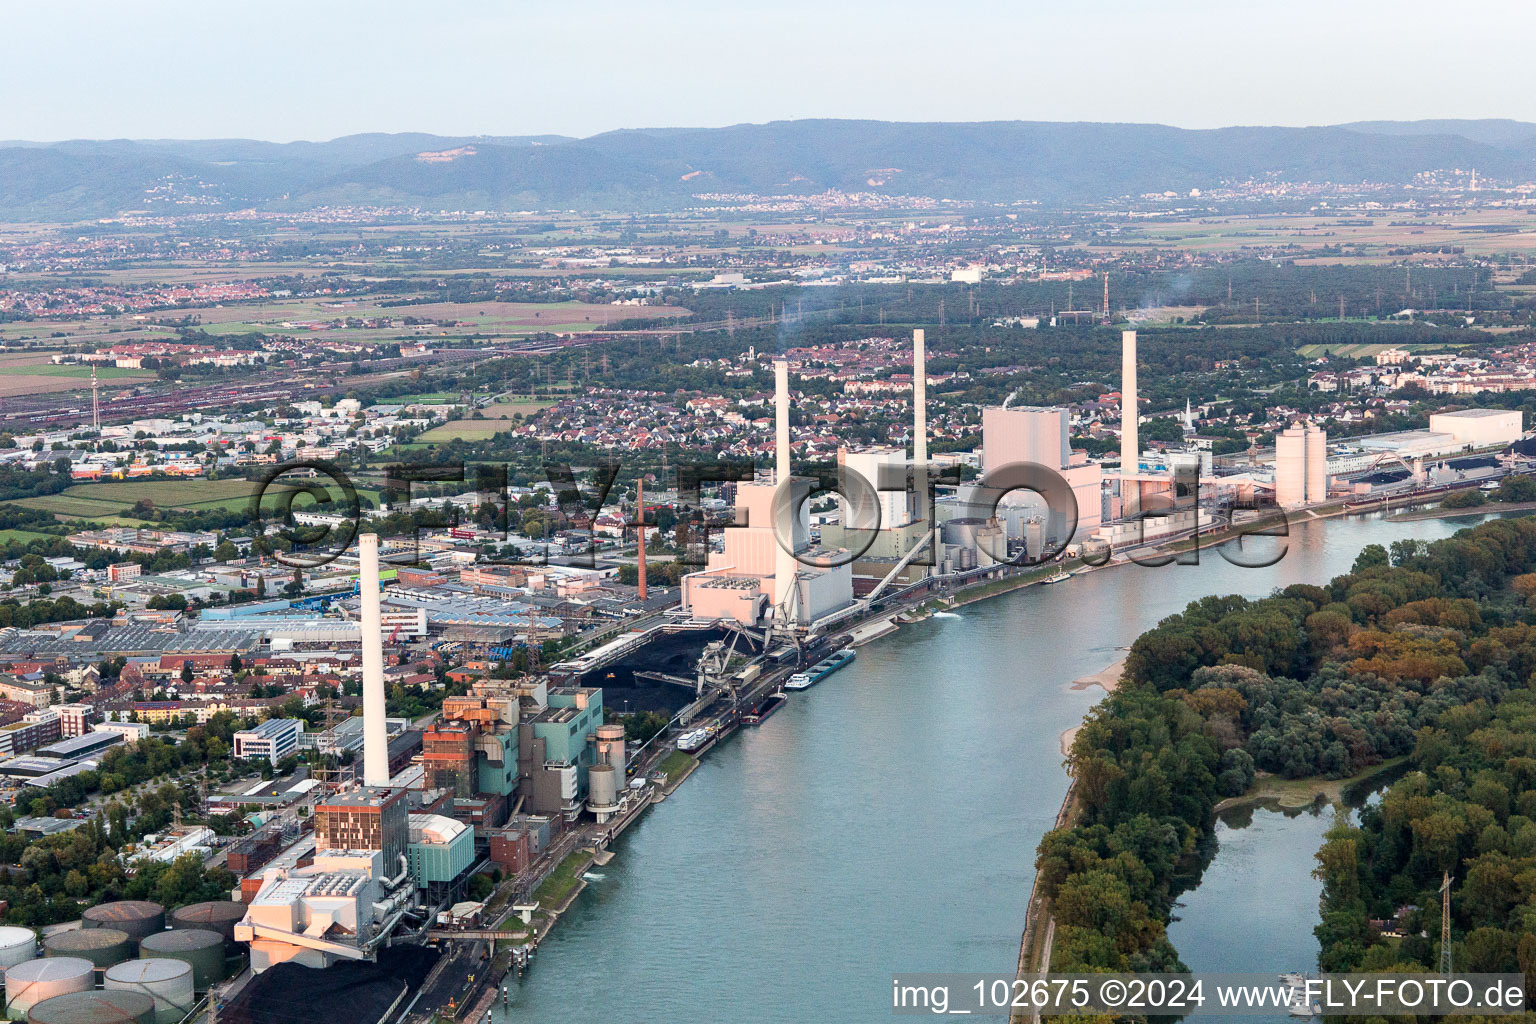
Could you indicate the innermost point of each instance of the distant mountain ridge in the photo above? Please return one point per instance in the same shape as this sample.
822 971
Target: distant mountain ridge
994 161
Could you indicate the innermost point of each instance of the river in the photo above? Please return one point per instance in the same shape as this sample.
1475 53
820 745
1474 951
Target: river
886 821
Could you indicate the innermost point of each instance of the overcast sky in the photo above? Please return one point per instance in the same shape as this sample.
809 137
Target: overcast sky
322 68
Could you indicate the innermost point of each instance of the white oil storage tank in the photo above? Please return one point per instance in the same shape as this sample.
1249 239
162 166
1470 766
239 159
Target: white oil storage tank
17 945
168 982
29 983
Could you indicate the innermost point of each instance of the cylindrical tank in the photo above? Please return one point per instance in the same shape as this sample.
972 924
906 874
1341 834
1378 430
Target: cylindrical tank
168 982
602 786
136 917
17 945
215 916
101 946
94 1008
27 984
200 948
610 746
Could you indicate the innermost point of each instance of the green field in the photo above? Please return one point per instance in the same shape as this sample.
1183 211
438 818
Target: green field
509 407
23 536
71 370
107 502
466 430
424 398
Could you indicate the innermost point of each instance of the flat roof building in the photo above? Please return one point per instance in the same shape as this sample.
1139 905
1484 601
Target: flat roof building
77 747
367 818
1479 428
271 740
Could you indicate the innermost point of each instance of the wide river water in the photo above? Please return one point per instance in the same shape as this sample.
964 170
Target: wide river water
886 820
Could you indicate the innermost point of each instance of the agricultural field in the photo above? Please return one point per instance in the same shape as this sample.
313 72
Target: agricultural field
32 373
1363 351
507 408
466 430
23 536
498 417
492 319
1368 239
108 503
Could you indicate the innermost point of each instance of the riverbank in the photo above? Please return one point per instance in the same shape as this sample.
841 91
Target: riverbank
1441 512
1108 678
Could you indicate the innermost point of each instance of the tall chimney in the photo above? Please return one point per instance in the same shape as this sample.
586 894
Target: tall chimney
783 559
919 399
375 742
781 420
1130 418
920 423
640 518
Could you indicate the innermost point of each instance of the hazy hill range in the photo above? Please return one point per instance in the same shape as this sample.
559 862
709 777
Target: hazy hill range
661 168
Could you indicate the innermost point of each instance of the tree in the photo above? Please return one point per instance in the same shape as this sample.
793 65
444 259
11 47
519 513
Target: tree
186 670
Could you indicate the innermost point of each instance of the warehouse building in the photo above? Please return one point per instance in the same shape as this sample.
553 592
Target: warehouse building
1478 428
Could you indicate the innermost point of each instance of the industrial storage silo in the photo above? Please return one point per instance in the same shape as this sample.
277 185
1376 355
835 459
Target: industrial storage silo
17 945
103 947
94 1008
610 746
168 982
602 791
29 983
215 916
138 918
201 949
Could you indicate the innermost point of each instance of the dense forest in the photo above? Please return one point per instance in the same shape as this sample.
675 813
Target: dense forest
1425 651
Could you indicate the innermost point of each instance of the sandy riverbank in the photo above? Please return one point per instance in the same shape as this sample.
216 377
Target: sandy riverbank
1109 678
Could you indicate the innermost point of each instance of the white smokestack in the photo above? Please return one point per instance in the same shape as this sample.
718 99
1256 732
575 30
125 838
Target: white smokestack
783 560
375 742
920 508
781 420
1130 418
919 399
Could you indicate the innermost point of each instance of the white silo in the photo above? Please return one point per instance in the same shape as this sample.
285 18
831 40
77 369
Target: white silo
602 791
610 746
168 982
1291 467
30 982
17 945
1317 464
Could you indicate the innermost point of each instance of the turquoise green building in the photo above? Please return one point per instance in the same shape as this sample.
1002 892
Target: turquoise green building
439 850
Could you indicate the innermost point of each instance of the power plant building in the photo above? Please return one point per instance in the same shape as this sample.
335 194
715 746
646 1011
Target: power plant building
364 819
766 573
1033 435
439 851
1025 434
